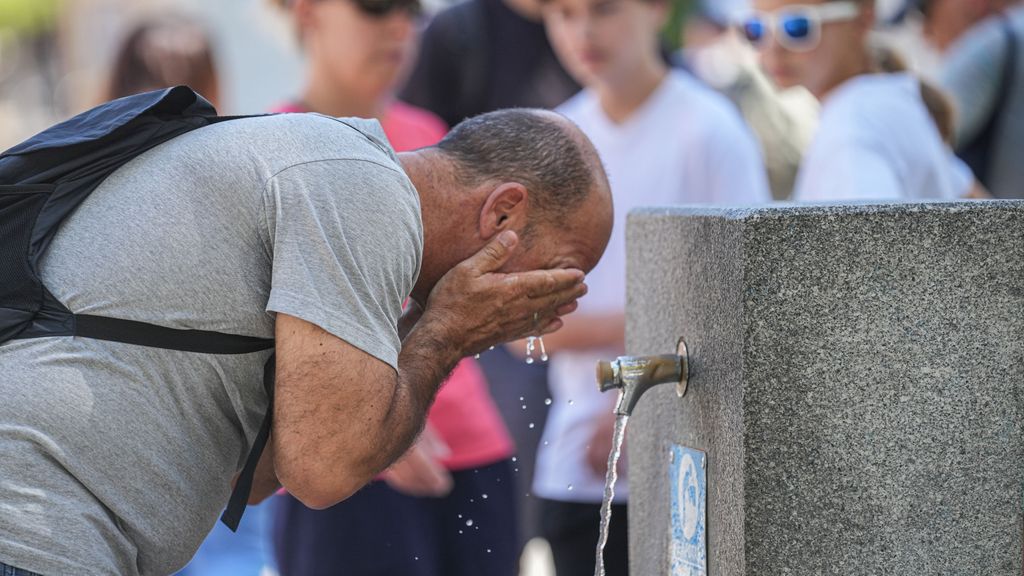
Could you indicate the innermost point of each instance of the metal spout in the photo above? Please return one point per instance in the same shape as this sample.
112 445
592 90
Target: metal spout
635 375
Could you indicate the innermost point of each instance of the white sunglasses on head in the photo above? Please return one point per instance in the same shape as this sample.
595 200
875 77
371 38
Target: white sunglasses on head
797 27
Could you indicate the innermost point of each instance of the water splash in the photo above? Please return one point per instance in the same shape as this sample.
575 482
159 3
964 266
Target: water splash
477 356
611 476
531 347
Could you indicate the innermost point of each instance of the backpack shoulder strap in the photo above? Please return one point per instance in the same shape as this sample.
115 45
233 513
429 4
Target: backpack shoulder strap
243 485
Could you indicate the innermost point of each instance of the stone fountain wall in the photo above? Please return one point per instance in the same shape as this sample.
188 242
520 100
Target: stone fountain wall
856 402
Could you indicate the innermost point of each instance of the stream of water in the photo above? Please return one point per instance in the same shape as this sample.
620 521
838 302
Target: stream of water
611 476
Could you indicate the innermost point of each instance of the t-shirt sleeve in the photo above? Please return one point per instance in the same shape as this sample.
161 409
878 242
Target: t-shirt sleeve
971 74
346 243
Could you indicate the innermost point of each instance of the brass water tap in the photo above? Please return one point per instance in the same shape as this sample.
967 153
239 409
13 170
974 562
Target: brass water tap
635 375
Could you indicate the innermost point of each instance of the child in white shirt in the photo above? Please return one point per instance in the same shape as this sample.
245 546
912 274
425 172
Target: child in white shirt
876 140
665 139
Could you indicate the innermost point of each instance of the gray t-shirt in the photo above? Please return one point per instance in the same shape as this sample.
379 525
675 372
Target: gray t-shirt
117 459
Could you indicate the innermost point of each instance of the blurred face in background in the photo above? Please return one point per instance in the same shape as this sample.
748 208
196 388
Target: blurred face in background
817 44
364 47
605 41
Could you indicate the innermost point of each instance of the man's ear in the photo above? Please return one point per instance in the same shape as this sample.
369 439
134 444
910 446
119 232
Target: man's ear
505 208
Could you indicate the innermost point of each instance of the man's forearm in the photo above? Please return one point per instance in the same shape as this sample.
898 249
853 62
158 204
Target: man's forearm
331 439
341 415
427 358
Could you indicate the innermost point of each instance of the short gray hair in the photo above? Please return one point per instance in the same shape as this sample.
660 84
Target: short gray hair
553 161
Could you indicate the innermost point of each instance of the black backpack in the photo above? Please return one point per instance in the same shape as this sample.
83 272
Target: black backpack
43 180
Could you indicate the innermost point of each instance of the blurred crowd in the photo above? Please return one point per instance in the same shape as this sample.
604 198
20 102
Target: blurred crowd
715 102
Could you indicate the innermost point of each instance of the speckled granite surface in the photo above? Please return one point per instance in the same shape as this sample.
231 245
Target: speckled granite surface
857 382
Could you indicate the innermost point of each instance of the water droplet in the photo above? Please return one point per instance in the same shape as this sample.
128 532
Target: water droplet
471 500
514 459
416 558
545 442
469 522
460 531
524 406
571 402
476 356
529 359
491 348
547 401
460 515
522 399
488 550
570 487
544 358
531 425
484 496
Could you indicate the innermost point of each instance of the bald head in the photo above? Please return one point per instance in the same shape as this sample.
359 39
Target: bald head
528 171
541 150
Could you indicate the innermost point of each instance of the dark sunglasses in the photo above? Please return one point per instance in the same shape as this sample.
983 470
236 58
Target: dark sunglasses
381 8
796 28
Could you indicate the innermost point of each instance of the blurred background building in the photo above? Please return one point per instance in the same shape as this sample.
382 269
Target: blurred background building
56 55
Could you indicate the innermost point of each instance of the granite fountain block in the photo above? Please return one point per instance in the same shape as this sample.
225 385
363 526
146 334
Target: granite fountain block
857 386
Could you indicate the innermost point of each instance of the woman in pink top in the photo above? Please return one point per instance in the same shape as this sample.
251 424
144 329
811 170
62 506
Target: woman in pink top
445 508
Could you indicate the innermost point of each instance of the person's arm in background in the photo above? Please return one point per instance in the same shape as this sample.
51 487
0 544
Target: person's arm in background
971 74
341 415
419 472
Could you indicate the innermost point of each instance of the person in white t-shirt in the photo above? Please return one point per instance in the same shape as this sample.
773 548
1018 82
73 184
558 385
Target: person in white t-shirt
876 140
665 139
